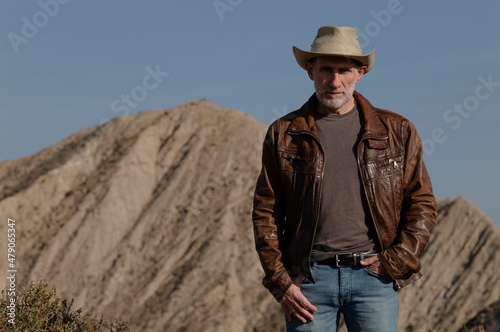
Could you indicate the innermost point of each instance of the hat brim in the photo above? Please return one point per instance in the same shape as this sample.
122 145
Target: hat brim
304 56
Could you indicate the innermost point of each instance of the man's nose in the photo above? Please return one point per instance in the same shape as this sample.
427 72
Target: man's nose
335 80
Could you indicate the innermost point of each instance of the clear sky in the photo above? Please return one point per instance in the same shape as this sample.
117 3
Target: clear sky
69 64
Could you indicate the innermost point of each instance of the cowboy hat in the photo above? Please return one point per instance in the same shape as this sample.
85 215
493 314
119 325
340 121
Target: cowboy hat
335 41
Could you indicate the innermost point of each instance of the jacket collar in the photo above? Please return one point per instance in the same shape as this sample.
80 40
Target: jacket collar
304 121
372 127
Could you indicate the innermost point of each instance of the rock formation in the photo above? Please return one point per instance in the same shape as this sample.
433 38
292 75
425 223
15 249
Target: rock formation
147 218
461 267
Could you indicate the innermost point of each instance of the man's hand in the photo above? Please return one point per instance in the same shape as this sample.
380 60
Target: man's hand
375 266
295 303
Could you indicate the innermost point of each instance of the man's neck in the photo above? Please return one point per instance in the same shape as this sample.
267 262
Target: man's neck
342 110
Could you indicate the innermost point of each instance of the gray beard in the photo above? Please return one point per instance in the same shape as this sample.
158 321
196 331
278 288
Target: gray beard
333 104
337 103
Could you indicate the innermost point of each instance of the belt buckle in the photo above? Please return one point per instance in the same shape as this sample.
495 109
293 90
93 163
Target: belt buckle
356 260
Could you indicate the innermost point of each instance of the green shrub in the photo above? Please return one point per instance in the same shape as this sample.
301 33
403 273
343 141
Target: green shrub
37 308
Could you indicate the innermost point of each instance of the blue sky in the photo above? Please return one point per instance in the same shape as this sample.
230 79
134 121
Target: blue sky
69 64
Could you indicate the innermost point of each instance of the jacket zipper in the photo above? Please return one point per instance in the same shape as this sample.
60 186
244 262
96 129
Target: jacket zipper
320 194
320 190
370 206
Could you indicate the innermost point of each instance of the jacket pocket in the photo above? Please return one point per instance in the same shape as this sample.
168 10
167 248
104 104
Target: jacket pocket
296 162
385 177
297 172
385 167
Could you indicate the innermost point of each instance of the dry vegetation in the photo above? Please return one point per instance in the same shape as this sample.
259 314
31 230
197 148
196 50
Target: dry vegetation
37 308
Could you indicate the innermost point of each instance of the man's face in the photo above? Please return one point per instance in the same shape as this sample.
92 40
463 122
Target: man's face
334 81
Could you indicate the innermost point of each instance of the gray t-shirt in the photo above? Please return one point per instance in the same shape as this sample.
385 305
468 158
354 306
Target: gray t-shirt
345 224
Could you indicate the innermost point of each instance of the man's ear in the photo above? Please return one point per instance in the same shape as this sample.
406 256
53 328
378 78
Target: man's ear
309 68
361 71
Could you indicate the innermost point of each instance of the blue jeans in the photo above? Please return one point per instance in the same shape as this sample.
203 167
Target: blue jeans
369 302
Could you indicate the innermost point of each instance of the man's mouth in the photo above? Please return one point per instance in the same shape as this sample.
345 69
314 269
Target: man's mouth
334 93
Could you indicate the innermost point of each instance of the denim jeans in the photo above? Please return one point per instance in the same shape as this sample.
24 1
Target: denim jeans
369 302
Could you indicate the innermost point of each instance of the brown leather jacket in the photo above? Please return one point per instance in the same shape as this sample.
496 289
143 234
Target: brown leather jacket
287 195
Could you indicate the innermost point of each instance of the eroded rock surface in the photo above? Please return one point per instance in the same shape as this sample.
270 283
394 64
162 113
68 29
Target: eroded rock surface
148 219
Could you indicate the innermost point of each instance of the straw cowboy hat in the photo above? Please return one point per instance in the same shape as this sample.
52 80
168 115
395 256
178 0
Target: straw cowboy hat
335 41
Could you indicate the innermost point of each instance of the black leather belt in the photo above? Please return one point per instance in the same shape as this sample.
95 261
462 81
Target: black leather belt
346 260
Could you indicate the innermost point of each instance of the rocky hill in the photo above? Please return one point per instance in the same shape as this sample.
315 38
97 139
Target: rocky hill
147 219
461 268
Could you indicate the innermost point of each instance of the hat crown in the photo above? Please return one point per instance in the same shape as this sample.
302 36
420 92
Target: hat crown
335 41
340 40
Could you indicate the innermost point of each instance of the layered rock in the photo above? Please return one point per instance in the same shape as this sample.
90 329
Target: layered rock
148 219
461 267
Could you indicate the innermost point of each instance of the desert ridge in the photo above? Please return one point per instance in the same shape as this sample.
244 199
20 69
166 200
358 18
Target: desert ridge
147 218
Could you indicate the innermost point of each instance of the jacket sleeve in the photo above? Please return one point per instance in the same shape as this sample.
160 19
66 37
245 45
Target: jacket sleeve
269 219
418 212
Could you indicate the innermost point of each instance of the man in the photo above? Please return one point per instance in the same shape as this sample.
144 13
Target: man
343 206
